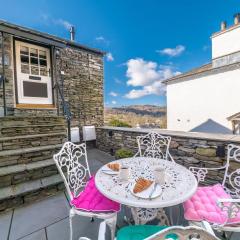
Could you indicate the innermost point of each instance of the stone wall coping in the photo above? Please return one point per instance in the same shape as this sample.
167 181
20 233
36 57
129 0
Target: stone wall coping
181 134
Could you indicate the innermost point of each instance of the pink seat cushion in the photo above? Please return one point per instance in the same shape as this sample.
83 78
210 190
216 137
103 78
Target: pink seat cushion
203 206
90 199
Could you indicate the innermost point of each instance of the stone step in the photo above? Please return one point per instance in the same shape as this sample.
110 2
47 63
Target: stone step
30 191
11 175
27 141
27 155
17 126
30 120
19 130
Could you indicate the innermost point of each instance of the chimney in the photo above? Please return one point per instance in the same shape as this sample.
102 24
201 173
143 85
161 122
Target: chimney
237 18
223 25
72 33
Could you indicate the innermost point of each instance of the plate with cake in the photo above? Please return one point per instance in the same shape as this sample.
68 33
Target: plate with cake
111 168
144 188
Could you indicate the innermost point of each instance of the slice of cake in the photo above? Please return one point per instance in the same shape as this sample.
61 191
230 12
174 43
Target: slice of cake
114 166
141 184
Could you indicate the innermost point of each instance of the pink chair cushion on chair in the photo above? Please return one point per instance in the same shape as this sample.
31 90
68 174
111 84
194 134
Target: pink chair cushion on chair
90 199
203 206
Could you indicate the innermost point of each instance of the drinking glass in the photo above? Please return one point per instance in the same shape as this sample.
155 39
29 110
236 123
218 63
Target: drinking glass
159 175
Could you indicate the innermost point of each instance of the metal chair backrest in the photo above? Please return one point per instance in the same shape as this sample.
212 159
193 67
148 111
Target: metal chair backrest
154 145
231 180
73 166
183 233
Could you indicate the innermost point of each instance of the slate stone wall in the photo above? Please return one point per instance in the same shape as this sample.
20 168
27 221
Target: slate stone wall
8 72
188 149
83 85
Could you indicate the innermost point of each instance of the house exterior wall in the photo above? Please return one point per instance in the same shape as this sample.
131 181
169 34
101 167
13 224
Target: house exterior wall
203 103
9 76
226 43
83 85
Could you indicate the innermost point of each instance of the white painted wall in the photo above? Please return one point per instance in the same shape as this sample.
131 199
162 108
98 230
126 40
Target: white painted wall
226 43
191 103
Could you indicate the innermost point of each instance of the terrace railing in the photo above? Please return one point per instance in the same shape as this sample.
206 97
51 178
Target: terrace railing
65 106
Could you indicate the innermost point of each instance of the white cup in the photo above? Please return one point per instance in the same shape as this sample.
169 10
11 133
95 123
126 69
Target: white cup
123 173
159 175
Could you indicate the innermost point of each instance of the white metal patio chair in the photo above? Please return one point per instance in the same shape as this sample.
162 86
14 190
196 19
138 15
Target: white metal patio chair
183 233
73 166
230 206
170 233
154 145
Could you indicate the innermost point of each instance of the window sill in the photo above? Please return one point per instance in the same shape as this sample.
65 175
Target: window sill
35 106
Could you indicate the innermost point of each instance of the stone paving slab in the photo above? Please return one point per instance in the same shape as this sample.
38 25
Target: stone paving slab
95 155
36 216
5 220
82 227
39 235
48 219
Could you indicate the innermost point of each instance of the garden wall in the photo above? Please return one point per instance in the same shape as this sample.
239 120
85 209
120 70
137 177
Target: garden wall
187 148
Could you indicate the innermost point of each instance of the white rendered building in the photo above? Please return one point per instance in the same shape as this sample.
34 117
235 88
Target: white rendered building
201 100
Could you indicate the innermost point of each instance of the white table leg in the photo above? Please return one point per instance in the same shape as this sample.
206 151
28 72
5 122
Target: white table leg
144 215
162 217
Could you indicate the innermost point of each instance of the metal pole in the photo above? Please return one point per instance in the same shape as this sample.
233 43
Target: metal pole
3 73
69 129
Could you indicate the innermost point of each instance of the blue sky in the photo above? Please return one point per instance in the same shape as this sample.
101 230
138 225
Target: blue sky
147 41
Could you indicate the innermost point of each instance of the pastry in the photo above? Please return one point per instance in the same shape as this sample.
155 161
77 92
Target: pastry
114 166
141 184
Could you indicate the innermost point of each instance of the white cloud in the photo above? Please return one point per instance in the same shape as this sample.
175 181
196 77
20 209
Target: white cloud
102 39
172 52
67 25
113 94
49 20
140 72
109 57
149 76
206 47
116 80
114 102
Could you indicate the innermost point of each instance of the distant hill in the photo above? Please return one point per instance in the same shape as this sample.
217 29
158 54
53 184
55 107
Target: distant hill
151 110
138 115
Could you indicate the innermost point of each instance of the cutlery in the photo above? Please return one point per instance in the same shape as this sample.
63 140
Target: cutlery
154 189
107 171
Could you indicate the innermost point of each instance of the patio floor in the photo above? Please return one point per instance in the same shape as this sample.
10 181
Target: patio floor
48 219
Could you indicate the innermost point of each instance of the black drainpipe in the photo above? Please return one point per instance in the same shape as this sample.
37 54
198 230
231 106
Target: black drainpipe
3 76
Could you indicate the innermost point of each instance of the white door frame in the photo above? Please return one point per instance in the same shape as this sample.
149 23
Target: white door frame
24 77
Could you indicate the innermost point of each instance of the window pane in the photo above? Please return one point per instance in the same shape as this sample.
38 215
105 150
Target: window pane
24 59
43 62
24 50
25 68
34 61
43 72
34 70
42 54
34 52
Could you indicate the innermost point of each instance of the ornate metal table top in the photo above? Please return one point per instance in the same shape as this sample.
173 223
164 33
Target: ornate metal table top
180 184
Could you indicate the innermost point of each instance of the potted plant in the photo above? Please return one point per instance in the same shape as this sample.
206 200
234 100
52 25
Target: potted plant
123 153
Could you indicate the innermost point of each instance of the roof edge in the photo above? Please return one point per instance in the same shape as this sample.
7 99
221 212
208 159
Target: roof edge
50 37
188 73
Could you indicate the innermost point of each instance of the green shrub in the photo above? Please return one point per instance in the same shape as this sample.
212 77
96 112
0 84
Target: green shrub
118 123
123 153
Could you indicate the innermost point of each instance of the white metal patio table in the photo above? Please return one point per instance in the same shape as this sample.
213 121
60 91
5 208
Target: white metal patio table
180 185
